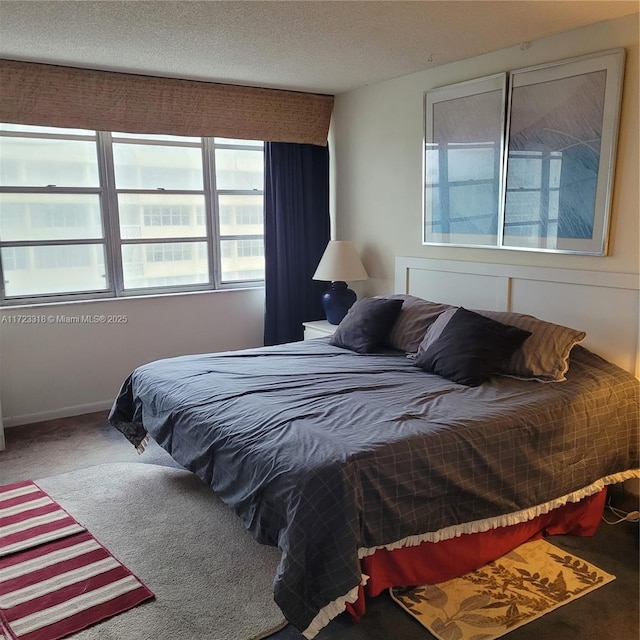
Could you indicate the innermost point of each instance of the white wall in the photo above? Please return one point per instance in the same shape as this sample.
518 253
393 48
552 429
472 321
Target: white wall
376 142
56 369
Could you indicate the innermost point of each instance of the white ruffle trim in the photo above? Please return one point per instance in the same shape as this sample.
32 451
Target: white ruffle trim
143 445
328 613
478 526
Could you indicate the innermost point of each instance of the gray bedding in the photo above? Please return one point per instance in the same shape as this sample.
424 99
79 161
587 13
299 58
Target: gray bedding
322 451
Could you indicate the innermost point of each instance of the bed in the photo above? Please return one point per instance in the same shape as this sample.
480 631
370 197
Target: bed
346 460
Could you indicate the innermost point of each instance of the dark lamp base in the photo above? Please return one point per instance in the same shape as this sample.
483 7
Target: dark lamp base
337 300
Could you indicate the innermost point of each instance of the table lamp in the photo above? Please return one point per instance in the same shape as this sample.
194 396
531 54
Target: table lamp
340 261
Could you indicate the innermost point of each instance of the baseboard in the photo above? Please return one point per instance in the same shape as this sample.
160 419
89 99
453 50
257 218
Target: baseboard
54 414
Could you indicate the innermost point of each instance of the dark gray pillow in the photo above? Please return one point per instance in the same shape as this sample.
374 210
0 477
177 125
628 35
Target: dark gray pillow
367 325
470 348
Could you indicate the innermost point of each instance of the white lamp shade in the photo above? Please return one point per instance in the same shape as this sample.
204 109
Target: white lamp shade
340 262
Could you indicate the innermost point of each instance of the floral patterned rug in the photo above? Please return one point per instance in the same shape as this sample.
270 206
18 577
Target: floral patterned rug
523 585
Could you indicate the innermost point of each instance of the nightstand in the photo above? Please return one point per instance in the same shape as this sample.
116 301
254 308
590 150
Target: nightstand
318 329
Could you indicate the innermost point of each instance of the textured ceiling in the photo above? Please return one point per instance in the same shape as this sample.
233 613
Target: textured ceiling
326 46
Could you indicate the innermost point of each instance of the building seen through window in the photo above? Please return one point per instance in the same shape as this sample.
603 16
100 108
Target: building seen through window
99 213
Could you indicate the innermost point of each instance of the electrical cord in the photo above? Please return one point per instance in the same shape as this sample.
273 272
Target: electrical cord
622 516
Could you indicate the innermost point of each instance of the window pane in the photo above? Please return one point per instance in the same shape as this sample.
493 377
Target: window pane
239 169
239 143
164 264
49 216
24 128
161 216
54 269
149 136
242 259
39 162
241 215
150 166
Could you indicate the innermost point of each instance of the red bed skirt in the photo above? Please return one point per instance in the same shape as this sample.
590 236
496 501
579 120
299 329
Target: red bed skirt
433 562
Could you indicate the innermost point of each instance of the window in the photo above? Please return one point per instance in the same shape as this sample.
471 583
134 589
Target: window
98 214
170 216
248 248
15 259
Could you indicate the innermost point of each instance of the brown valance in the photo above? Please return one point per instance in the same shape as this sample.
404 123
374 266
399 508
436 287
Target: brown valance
57 96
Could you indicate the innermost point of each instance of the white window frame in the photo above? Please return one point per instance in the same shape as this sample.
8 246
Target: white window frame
111 240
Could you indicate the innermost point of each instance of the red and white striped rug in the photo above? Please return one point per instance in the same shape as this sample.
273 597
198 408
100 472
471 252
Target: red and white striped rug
29 517
55 577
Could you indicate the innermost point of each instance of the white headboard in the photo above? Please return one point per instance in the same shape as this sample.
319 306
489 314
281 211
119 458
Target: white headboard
605 305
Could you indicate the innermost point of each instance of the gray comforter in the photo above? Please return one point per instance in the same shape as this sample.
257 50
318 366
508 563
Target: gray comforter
323 451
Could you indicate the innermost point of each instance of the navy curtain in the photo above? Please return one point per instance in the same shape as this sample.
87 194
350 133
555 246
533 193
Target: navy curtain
296 232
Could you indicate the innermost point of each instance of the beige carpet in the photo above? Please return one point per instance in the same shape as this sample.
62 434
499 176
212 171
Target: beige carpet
523 585
211 579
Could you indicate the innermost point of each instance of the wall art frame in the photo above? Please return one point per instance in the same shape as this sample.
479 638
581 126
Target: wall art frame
557 156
